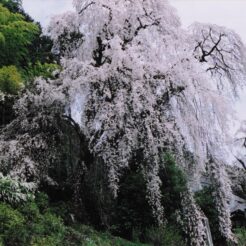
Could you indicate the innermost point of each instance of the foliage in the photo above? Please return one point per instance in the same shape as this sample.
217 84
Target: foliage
164 236
132 212
17 34
85 235
42 201
206 201
45 70
14 191
241 236
174 184
10 80
12 5
22 44
133 216
28 225
11 221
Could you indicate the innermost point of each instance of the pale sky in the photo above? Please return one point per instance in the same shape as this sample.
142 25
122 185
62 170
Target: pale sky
229 13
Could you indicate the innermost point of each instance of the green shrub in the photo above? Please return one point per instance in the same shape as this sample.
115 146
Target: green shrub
11 222
132 212
241 236
25 226
29 210
86 236
14 192
164 236
42 201
174 183
34 223
10 80
206 202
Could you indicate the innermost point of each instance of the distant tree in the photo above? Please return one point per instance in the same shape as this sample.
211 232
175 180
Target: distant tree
16 36
15 6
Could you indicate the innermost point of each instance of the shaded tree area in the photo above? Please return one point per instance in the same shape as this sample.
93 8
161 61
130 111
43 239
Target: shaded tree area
25 54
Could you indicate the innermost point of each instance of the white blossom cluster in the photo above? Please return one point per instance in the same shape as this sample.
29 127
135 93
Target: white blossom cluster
27 144
222 197
193 220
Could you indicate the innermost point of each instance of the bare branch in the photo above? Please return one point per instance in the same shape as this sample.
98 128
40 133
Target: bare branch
86 7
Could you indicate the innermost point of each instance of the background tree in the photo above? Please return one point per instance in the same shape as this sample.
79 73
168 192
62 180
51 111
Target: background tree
17 35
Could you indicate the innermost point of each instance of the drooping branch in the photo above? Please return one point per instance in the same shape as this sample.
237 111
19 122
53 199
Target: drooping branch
86 7
211 48
241 162
141 26
202 44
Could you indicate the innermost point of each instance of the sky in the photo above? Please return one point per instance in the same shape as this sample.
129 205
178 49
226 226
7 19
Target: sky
229 13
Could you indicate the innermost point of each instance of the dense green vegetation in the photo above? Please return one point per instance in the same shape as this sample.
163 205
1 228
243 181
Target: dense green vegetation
206 201
35 223
16 36
241 236
10 80
25 53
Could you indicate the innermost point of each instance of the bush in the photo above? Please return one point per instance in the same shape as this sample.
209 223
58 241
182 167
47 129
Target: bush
27 226
14 192
164 236
10 80
34 223
174 183
42 201
133 213
48 227
241 236
11 223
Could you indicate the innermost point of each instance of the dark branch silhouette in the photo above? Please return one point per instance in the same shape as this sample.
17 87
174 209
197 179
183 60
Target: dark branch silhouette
241 162
86 7
210 47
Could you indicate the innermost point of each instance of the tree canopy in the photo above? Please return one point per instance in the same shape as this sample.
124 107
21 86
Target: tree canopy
16 35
